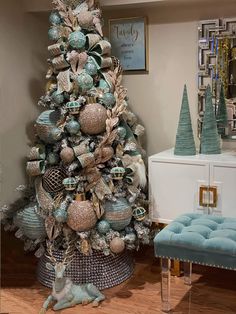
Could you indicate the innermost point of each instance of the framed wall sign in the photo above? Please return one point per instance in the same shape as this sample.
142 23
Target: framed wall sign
129 41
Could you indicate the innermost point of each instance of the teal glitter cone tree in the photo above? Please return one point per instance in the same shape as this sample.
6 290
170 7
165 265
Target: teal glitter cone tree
185 145
222 117
210 139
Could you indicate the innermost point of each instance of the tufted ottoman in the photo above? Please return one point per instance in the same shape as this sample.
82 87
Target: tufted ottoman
195 238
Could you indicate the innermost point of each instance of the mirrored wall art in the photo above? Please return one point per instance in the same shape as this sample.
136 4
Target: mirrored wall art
217 67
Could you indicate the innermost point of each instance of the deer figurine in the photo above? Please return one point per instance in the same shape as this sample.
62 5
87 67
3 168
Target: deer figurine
65 293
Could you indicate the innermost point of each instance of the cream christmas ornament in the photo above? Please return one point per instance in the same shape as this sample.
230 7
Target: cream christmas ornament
117 245
67 155
92 119
81 216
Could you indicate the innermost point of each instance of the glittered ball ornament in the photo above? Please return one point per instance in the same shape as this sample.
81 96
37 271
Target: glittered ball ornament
53 33
31 224
92 119
85 81
109 100
57 98
121 132
73 127
55 134
53 159
118 214
77 40
67 155
46 121
85 19
103 226
81 216
60 215
91 68
55 18
53 179
117 245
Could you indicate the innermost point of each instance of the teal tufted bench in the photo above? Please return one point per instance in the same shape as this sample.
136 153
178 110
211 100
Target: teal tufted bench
195 238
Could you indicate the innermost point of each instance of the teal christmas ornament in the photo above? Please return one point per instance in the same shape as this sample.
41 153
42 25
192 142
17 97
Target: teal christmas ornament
73 107
91 68
121 132
103 85
55 18
45 123
60 215
118 213
85 81
53 33
31 224
73 127
70 183
55 134
57 98
103 226
185 145
77 40
210 139
109 100
53 159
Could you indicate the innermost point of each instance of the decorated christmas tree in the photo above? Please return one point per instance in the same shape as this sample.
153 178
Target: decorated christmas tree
185 145
210 139
86 166
222 117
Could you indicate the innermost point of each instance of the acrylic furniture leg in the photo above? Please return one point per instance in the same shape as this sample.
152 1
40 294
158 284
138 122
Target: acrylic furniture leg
187 273
165 284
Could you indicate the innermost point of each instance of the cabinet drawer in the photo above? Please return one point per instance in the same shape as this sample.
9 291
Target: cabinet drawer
174 188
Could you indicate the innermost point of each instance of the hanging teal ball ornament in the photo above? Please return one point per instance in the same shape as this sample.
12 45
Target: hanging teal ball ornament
55 18
85 81
60 215
73 126
103 226
91 68
118 214
121 132
57 98
53 159
77 40
53 33
109 100
55 134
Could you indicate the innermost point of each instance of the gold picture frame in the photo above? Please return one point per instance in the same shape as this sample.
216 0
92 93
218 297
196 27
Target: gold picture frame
129 41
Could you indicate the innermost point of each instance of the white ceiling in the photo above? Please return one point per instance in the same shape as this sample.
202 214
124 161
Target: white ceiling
46 5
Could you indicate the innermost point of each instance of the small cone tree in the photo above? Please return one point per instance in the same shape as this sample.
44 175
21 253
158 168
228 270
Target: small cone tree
222 117
210 139
185 145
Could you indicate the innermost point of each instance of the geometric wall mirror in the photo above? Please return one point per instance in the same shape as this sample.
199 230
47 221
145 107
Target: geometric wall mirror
217 67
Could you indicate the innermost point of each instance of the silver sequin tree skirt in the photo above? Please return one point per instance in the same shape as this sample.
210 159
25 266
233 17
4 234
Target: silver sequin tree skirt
103 271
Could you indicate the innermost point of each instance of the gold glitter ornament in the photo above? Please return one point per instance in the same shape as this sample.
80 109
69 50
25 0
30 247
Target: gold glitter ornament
67 155
81 216
117 245
92 119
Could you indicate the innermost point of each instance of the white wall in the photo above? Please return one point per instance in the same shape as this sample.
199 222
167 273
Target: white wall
156 97
23 40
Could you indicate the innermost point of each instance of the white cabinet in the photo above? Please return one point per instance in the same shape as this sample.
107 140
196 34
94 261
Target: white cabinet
182 184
